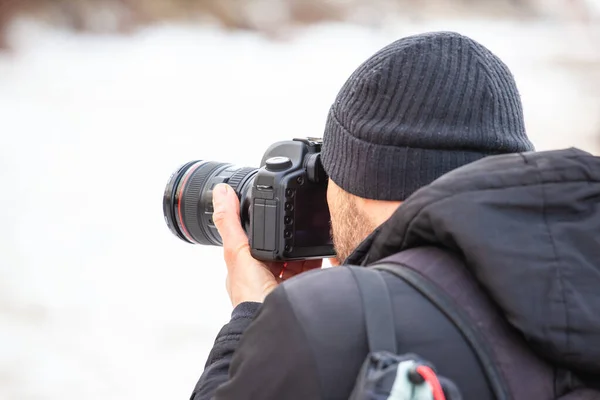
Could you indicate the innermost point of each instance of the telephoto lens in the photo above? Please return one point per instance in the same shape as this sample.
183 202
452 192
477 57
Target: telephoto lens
187 201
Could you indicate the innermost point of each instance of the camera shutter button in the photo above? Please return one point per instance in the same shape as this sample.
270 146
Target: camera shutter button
275 164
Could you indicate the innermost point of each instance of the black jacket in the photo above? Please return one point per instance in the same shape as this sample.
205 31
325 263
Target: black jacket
528 228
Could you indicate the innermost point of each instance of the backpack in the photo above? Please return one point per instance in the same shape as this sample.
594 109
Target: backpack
513 370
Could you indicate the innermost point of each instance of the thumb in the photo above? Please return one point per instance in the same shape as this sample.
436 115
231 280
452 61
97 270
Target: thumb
226 216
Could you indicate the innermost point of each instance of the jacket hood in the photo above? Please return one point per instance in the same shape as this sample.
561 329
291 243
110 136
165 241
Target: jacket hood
528 228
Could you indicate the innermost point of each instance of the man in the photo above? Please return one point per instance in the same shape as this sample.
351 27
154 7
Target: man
418 109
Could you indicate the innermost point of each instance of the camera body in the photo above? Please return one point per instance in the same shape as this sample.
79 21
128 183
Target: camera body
289 216
283 204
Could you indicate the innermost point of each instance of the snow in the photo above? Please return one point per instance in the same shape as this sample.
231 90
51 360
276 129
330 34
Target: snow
97 298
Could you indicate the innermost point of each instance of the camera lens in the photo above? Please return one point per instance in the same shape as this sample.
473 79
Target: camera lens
187 200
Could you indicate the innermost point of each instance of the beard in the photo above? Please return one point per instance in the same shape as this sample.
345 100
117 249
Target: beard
349 225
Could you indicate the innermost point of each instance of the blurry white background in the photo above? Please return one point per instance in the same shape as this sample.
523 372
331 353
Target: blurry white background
97 298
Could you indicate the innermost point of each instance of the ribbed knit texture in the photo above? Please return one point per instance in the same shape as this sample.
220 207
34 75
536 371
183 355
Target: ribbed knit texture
418 108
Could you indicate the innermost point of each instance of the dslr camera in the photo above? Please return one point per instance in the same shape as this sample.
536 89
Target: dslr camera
283 204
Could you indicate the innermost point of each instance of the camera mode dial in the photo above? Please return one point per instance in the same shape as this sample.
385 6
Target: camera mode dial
276 164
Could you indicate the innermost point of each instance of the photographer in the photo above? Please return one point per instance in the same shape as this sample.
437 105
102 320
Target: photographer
523 227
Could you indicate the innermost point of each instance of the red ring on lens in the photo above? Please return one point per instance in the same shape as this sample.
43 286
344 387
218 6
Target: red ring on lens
187 176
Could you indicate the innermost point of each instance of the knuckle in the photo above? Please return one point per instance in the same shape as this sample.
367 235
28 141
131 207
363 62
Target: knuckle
219 216
232 253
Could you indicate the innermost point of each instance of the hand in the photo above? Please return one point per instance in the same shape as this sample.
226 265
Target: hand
247 278
335 262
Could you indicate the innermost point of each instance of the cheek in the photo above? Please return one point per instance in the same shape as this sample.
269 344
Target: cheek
329 197
331 201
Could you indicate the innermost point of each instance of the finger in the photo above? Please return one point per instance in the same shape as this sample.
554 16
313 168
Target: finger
334 261
289 269
301 266
226 216
298 267
312 264
277 269
287 274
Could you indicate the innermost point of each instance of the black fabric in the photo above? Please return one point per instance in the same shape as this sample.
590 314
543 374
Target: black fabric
309 341
581 394
219 360
464 324
420 107
377 306
512 369
528 228
273 357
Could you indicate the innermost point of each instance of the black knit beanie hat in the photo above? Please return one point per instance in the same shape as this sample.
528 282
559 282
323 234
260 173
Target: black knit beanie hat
418 108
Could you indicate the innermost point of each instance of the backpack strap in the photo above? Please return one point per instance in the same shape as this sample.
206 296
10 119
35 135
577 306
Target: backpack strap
379 319
513 370
385 374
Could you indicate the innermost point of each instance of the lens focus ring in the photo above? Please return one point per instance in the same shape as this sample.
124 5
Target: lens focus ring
191 203
239 177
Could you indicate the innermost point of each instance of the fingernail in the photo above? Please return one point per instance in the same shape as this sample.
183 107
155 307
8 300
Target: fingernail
219 191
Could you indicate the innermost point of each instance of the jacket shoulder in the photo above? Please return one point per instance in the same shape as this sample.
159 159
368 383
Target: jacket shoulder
328 291
328 308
